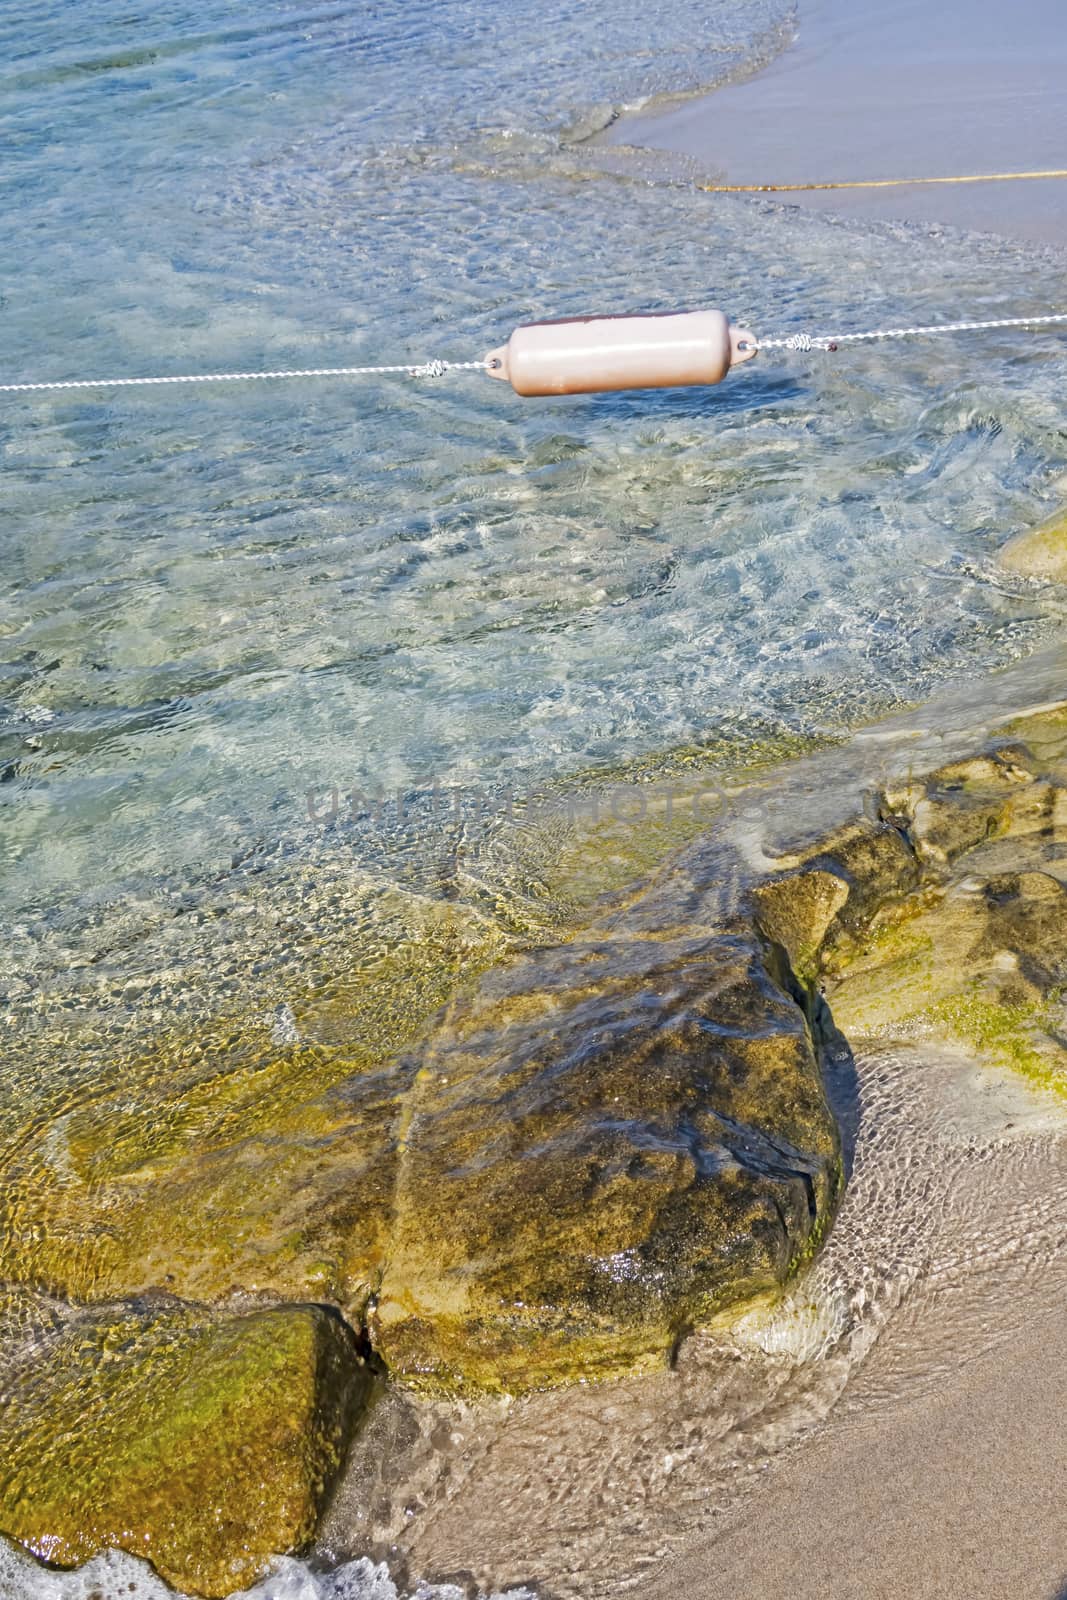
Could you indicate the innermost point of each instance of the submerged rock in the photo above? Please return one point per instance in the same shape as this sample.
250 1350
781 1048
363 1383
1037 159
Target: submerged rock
208 1158
1040 552
613 1141
207 1444
607 1144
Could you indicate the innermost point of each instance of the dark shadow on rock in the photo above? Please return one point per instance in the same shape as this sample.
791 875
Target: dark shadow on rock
836 1061
841 1080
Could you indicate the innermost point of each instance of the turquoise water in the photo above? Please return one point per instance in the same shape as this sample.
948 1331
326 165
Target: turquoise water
215 602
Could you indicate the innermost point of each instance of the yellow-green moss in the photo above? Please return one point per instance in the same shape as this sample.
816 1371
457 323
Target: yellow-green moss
1044 731
1014 1036
822 1223
609 1140
219 1158
206 1445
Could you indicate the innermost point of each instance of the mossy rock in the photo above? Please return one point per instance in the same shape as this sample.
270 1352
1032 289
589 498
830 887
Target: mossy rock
289 1195
797 911
595 1145
593 1148
206 1444
608 1144
212 1158
969 943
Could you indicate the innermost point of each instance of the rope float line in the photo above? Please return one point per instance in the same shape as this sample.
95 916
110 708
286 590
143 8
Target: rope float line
804 341
429 369
588 354
875 183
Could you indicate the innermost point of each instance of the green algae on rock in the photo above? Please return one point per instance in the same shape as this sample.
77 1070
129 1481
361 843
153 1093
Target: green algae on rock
613 1140
207 1159
608 1143
205 1443
951 921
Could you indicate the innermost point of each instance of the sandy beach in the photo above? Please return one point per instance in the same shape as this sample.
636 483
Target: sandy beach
955 1497
874 92
941 1485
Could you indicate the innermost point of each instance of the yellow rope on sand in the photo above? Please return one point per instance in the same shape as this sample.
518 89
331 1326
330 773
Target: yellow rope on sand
871 183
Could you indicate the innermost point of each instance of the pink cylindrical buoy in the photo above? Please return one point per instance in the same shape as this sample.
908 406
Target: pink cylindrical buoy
658 350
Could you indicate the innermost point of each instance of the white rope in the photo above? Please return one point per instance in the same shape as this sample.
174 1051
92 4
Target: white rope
438 369
806 341
429 369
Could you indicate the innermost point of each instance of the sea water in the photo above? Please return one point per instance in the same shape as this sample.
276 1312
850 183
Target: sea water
223 606
216 599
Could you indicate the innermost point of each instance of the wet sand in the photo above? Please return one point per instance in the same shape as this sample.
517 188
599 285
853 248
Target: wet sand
958 1495
908 90
893 1428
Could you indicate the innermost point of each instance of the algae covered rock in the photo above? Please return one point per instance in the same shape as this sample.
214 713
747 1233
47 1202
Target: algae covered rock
965 939
205 1443
607 1144
593 1148
148 1149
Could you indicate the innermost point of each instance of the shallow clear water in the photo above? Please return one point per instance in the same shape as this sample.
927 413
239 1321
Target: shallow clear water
217 601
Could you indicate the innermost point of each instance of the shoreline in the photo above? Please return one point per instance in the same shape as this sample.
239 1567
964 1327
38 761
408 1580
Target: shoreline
919 96
286 1088
939 1495
879 1391
952 1495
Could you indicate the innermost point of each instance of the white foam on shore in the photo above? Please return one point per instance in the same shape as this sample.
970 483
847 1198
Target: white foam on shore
114 1575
